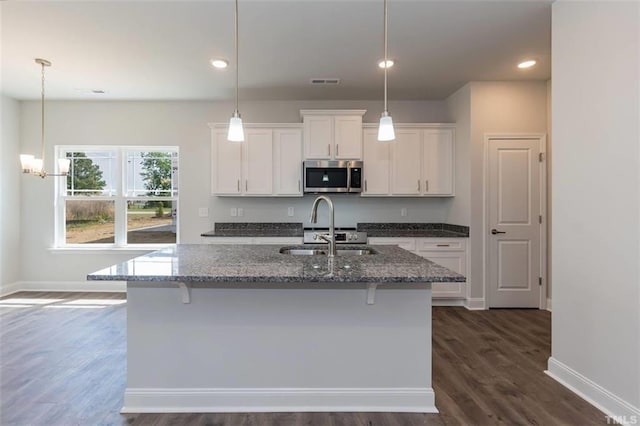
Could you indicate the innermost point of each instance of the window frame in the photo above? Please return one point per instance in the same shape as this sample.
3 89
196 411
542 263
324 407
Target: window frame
120 198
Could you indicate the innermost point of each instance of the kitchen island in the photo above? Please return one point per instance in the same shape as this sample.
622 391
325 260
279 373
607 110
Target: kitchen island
240 328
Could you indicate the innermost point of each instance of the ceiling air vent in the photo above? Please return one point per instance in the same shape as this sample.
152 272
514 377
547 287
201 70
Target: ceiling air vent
325 81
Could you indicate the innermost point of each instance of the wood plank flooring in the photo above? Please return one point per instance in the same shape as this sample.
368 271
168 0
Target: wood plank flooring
63 362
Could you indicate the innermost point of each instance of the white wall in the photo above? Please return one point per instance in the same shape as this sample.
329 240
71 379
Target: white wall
185 124
497 107
596 202
10 179
459 111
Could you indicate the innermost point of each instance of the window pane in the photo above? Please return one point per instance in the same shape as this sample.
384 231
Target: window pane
91 173
152 174
89 221
150 222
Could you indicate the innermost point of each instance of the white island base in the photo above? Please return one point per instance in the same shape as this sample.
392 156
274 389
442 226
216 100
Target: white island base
268 347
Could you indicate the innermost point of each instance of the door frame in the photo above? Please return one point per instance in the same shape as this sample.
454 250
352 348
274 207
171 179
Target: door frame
542 140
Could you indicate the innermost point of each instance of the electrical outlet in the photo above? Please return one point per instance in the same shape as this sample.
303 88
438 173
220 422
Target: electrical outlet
234 212
403 212
290 211
240 211
203 212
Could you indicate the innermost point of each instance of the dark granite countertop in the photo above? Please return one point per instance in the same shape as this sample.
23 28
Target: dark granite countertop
408 230
267 229
264 264
414 230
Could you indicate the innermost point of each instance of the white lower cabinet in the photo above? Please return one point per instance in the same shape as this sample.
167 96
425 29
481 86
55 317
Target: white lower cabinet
450 253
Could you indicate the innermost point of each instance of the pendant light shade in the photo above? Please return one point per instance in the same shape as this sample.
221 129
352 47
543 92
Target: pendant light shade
385 129
35 166
236 132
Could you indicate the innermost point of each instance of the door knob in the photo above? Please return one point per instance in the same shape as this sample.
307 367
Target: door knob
495 231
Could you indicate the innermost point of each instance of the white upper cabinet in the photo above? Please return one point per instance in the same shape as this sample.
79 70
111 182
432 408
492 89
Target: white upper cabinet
418 163
267 163
332 134
257 164
226 163
377 164
437 162
288 161
405 162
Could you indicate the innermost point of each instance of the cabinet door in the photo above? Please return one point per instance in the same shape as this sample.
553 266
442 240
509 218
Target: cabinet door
405 162
226 164
318 137
347 131
288 161
376 164
258 162
405 243
437 162
456 261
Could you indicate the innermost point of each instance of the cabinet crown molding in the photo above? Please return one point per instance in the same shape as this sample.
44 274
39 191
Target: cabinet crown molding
258 125
359 112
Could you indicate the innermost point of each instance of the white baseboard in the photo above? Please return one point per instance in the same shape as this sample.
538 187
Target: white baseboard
475 304
447 302
8 289
612 405
75 286
241 400
548 304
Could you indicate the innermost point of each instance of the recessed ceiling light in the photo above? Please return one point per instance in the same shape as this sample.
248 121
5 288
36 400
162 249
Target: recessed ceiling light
389 63
219 63
527 64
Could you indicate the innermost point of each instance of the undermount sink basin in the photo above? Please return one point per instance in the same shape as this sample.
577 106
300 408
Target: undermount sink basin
324 251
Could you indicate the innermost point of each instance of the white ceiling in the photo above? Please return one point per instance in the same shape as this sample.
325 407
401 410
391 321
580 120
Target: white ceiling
161 49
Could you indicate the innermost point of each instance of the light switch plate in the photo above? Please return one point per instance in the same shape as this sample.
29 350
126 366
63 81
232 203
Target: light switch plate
240 211
203 212
403 212
234 212
290 211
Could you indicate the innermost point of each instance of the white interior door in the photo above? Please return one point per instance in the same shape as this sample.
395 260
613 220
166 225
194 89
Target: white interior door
514 256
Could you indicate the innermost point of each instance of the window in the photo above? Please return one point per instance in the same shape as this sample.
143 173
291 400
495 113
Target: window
117 196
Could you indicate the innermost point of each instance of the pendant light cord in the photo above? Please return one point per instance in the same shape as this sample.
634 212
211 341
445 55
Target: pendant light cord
385 56
42 117
236 47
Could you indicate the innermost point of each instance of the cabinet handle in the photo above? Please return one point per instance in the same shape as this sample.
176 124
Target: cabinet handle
442 245
365 185
238 185
418 185
426 186
337 149
329 149
246 185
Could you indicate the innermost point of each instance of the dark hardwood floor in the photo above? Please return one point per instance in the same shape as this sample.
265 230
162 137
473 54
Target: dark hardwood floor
62 362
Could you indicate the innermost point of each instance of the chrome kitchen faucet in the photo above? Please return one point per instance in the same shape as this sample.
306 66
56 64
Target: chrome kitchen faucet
331 238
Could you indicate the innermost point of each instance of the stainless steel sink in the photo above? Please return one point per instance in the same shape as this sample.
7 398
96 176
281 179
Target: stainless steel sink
323 252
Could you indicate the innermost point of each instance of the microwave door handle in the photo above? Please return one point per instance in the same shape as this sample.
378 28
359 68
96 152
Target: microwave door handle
348 179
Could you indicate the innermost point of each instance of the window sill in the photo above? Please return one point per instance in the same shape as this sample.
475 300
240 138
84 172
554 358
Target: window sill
141 249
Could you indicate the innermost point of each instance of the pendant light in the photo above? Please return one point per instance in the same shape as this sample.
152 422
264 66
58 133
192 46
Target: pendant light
385 130
35 166
236 132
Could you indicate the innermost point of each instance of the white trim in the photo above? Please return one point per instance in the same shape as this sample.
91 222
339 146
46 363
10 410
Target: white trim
248 400
272 126
359 112
548 304
74 286
447 302
413 125
542 142
594 394
475 304
8 289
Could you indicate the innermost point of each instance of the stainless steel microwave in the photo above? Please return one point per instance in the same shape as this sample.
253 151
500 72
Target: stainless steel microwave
332 176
